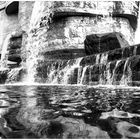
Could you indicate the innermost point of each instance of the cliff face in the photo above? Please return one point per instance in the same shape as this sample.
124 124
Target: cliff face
70 23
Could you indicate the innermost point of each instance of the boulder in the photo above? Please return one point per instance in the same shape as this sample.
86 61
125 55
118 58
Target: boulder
99 43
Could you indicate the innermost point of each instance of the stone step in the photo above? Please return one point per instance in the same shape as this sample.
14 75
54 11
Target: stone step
115 70
64 54
113 55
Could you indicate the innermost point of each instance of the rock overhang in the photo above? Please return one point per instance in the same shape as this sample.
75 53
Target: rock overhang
62 9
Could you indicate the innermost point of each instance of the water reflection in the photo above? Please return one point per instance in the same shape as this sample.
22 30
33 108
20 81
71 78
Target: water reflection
69 112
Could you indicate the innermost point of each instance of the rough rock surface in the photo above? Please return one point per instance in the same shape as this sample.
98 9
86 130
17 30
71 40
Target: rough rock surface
73 21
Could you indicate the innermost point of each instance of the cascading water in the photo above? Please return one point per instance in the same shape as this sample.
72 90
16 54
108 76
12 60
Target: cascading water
34 47
64 72
100 72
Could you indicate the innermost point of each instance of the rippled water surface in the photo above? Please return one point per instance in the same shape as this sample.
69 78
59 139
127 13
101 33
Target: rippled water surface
69 112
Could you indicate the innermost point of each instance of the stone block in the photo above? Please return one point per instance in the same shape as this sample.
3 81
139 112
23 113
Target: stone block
98 43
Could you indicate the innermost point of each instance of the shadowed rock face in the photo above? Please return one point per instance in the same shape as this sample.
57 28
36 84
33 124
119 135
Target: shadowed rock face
98 43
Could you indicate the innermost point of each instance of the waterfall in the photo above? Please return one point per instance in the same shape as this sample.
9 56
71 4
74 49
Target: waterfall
101 72
34 47
63 72
3 63
127 74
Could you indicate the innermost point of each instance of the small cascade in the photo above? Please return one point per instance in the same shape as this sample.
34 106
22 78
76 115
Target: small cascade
127 74
64 72
82 78
74 72
92 70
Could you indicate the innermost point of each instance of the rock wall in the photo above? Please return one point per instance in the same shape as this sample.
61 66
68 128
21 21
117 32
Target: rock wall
73 20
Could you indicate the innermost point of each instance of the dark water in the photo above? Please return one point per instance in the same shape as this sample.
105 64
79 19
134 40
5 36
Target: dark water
69 112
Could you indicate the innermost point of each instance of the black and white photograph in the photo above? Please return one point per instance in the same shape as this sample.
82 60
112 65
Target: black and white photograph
70 69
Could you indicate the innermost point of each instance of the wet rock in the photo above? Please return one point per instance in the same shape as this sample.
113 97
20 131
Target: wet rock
133 129
75 128
95 73
88 60
3 76
132 50
115 55
128 130
55 130
73 77
135 68
126 52
98 43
